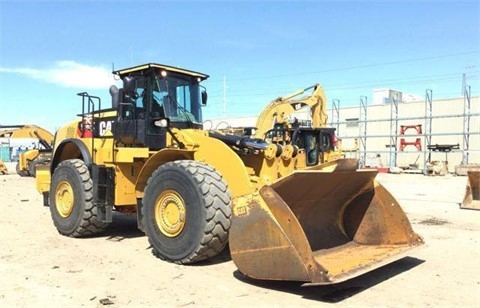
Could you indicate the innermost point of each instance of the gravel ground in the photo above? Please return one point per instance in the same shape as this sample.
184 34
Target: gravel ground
38 267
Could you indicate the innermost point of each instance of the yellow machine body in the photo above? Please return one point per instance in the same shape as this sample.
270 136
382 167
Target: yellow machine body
317 224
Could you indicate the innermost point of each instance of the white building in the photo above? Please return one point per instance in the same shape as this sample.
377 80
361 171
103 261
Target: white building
399 132
396 131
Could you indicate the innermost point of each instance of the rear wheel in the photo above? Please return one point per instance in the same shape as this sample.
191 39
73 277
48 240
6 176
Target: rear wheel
21 172
32 166
71 200
186 212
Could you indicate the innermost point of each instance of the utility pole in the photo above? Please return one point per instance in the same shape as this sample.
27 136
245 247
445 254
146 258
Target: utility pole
464 78
362 130
336 115
427 156
466 123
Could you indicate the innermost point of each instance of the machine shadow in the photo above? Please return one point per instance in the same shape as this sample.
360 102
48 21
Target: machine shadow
125 227
122 227
222 257
335 293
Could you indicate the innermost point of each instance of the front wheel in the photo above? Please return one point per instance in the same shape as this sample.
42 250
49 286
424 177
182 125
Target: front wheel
186 212
71 200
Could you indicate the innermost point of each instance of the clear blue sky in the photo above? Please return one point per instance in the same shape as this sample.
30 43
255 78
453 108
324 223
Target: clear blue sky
50 50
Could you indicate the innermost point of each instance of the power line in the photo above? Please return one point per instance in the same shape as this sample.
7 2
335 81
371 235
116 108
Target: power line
355 67
336 87
412 80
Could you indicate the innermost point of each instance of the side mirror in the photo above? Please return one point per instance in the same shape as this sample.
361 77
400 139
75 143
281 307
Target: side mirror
115 94
204 97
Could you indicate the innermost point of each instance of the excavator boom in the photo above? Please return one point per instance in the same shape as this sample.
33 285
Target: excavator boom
28 160
27 131
279 110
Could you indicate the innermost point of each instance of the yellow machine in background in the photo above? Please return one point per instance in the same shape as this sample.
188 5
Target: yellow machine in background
314 136
28 160
277 124
279 111
286 217
3 168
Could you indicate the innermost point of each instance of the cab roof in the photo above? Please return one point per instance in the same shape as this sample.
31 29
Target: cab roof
167 68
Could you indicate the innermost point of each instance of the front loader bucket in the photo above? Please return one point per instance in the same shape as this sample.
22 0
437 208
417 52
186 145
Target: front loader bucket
472 193
320 227
3 168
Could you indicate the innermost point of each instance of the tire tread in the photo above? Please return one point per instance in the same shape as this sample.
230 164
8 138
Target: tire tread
89 225
217 206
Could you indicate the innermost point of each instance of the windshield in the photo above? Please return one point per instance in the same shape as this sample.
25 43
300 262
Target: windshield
179 96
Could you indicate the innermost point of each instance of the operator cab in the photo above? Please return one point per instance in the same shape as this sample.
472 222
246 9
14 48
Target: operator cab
153 99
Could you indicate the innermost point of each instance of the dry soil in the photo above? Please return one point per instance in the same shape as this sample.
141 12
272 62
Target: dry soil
40 268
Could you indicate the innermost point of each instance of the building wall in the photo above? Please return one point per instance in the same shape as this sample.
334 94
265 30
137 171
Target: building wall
447 130
379 129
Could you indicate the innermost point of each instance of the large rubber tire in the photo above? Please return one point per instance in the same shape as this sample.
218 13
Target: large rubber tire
71 200
187 212
20 172
32 166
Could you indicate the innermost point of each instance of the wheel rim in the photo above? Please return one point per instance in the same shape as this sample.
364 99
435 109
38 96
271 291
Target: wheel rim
64 199
170 213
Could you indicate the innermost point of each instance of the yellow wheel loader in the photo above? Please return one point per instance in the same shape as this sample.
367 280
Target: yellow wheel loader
193 190
28 160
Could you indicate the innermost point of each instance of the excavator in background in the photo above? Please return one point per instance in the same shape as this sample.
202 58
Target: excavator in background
277 124
194 191
28 160
279 111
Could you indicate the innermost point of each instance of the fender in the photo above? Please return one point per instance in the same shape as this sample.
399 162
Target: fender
217 154
155 161
207 150
69 149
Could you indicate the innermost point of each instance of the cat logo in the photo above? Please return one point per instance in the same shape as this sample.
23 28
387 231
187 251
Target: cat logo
104 128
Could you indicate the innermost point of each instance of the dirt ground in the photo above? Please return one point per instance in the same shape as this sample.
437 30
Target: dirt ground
38 267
